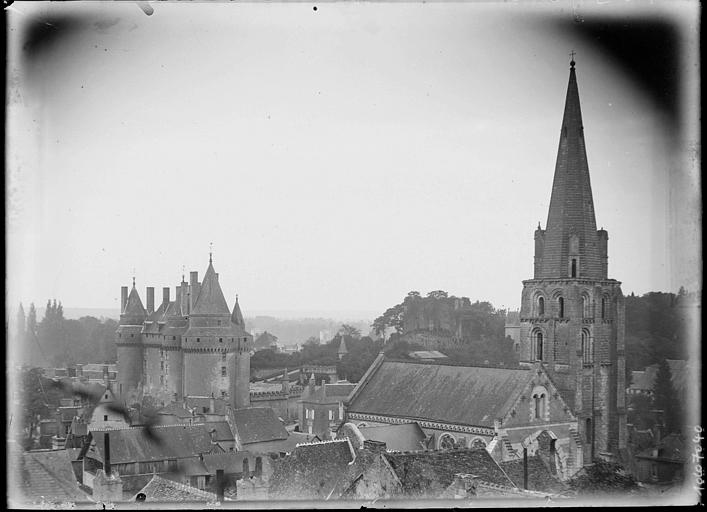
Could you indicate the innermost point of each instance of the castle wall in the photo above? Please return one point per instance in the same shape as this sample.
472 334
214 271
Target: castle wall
203 373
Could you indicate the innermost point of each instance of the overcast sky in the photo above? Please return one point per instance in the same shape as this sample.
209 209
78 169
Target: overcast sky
336 158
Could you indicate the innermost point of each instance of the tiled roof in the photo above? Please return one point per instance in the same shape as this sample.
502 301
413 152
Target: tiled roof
314 471
222 430
161 489
258 424
45 476
466 395
429 473
210 300
540 478
135 444
405 437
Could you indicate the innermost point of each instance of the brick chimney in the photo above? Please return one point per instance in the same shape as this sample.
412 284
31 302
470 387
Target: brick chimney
150 299
165 295
123 298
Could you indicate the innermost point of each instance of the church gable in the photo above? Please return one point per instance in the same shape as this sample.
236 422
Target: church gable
538 403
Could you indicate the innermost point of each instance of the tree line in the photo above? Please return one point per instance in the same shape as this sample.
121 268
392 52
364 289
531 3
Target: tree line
58 341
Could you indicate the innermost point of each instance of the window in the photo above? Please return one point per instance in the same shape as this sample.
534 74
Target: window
331 415
174 338
161 379
223 356
539 402
105 417
218 322
223 394
588 430
538 346
220 340
541 306
447 442
198 340
561 304
586 348
161 365
603 308
223 371
585 306
478 443
574 267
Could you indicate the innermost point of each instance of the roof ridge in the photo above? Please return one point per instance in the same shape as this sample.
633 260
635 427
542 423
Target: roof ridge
452 363
328 441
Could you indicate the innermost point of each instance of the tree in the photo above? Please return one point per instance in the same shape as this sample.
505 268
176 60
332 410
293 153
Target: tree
438 294
349 330
312 341
666 399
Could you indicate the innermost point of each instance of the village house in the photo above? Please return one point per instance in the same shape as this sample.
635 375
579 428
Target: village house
322 407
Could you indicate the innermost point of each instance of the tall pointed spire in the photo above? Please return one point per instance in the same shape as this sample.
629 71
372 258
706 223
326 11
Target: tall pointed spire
237 316
210 299
570 243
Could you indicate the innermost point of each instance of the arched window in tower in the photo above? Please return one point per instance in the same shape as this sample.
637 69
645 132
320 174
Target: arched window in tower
586 348
447 442
538 346
588 430
561 306
541 306
574 267
603 308
585 306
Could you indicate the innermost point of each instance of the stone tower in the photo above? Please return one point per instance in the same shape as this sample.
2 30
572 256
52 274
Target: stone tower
128 341
572 314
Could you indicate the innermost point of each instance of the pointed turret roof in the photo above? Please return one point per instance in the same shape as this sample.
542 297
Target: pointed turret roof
342 346
210 300
571 205
134 307
237 316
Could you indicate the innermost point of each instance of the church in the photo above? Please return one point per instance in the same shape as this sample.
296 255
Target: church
568 393
190 346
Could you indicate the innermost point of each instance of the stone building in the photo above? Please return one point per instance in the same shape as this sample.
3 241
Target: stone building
505 410
572 314
193 345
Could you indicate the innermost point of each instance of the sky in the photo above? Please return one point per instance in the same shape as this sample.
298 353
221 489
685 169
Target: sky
336 158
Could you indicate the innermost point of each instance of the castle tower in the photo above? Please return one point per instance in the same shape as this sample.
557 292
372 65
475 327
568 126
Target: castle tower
215 355
572 314
128 340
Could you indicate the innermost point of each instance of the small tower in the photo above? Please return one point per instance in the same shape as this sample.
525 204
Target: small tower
342 348
128 341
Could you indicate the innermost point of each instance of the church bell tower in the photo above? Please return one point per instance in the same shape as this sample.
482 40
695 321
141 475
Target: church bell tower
572 314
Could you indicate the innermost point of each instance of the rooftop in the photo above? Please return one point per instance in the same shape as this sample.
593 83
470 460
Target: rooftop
258 424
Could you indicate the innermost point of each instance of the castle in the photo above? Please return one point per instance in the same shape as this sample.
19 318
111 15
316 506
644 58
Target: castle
191 346
572 314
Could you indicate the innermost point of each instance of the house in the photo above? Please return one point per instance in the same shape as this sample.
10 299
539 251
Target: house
504 410
42 478
137 452
106 414
322 407
665 463
257 429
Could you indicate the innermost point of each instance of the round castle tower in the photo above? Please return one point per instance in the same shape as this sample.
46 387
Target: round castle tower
128 340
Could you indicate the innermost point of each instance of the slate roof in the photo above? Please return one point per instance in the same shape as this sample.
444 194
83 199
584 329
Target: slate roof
45 476
175 409
167 442
222 428
237 316
210 300
134 307
571 204
328 393
161 489
466 395
429 473
258 424
405 437
192 467
540 478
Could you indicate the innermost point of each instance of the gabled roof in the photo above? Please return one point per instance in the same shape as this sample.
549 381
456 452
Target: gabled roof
210 300
258 424
400 438
466 395
140 444
571 205
429 473
161 489
44 476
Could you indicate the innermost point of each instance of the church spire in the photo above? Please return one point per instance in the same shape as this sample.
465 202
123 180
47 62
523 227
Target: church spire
569 247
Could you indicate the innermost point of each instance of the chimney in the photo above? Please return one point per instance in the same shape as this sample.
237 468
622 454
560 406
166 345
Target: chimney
374 446
194 278
246 469
106 454
123 298
220 484
165 295
150 299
